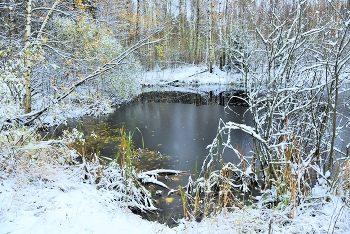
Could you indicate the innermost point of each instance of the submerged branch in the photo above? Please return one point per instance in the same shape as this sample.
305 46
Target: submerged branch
151 176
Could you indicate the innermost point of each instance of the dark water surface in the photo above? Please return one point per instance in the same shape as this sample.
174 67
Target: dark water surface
180 130
178 133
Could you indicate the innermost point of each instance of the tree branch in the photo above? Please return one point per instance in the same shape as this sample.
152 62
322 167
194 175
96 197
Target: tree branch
104 68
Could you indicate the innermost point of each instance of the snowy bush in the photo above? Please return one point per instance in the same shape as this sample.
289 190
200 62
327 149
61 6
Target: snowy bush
240 47
126 187
121 179
11 91
31 160
295 89
99 48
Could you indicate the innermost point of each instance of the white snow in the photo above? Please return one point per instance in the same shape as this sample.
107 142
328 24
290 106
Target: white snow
189 75
263 220
65 205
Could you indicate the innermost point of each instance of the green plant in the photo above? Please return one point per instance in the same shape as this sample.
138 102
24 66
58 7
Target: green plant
183 195
126 152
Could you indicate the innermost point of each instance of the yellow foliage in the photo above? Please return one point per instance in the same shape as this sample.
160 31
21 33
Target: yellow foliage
80 4
3 53
45 40
160 51
169 200
103 60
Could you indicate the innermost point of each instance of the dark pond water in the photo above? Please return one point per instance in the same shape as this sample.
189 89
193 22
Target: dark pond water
178 133
180 130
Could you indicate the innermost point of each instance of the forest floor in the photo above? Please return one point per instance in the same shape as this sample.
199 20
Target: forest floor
57 202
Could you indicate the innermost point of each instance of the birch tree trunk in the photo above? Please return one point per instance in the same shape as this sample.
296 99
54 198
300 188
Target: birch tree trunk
182 46
210 38
196 40
28 60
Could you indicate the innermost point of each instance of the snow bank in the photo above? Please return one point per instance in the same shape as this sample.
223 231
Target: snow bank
318 216
65 205
189 75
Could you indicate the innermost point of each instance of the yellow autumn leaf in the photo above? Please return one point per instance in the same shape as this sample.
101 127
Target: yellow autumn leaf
3 54
169 199
103 60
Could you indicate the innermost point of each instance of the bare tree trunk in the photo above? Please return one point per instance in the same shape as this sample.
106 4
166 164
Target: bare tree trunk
29 50
137 21
210 37
28 60
196 40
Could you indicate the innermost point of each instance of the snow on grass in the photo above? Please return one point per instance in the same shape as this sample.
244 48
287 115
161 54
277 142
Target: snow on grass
65 205
62 204
322 212
252 220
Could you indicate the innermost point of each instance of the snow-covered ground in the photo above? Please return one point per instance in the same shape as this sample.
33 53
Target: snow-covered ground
65 205
60 203
189 75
